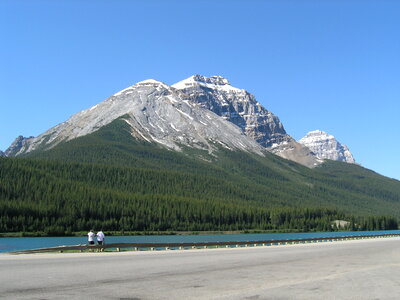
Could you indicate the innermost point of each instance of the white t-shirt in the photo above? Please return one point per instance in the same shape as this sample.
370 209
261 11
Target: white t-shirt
91 236
100 236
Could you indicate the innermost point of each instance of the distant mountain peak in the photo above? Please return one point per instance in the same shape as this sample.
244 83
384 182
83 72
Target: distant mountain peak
325 146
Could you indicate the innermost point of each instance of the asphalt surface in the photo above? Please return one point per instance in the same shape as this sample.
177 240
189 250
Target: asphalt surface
365 269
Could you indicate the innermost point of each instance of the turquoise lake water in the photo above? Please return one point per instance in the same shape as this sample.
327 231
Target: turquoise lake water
25 243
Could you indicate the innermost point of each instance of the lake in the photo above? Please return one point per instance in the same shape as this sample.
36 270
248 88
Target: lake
25 243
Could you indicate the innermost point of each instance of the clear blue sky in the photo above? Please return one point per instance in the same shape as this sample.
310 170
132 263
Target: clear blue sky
329 65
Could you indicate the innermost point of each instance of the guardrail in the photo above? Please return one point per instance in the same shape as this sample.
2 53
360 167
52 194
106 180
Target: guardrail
201 245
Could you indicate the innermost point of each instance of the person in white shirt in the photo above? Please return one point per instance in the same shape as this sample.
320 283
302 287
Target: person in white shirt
91 236
100 237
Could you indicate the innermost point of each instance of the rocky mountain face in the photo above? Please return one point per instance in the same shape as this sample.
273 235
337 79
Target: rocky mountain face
199 112
242 109
2 154
19 143
325 146
237 106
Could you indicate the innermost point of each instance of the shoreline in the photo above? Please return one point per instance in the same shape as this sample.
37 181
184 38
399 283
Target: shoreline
191 250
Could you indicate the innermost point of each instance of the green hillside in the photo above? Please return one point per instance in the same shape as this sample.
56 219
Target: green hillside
109 180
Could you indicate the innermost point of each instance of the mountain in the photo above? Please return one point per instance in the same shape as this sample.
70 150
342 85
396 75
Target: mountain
156 113
242 109
2 153
325 146
199 112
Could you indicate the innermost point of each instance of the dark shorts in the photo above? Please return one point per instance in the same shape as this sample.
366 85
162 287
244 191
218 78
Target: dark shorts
91 242
100 242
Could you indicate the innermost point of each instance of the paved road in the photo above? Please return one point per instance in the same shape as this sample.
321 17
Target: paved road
366 269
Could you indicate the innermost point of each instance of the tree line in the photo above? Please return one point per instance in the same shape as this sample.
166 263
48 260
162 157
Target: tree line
60 198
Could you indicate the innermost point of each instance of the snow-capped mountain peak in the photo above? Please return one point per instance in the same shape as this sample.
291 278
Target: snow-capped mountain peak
216 79
147 82
213 82
151 82
325 146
